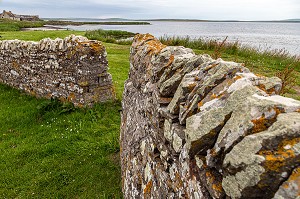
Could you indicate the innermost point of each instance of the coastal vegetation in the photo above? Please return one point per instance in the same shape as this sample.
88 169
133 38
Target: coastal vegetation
110 36
75 23
54 150
12 25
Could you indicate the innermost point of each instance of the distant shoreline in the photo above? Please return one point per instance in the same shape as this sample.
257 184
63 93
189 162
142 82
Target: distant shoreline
79 23
221 21
115 21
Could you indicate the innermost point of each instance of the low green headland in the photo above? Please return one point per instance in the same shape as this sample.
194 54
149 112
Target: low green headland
53 150
52 22
11 25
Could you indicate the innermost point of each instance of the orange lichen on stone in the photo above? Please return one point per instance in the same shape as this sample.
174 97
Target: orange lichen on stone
154 47
262 123
298 110
170 61
296 176
274 160
213 182
96 47
259 124
197 78
200 104
143 37
217 187
211 66
293 179
191 87
213 96
269 91
259 75
148 187
237 77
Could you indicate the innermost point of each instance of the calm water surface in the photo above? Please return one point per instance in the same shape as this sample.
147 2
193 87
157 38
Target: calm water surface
257 34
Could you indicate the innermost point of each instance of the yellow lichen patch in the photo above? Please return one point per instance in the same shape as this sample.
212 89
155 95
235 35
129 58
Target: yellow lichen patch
274 160
197 78
148 187
154 47
268 91
259 75
289 142
191 87
259 125
214 96
143 37
213 182
296 176
262 123
96 47
211 66
237 77
170 61
217 187
200 104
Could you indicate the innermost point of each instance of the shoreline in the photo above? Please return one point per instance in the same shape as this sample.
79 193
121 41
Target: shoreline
44 28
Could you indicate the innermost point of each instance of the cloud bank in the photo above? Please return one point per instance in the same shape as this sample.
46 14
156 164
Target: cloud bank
145 9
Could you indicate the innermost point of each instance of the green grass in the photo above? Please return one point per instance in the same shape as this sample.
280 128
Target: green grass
51 150
37 35
11 25
111 36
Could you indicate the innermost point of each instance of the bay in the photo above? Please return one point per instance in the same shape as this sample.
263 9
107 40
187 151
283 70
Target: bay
262 35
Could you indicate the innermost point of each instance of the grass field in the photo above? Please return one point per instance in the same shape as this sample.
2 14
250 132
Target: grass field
52 150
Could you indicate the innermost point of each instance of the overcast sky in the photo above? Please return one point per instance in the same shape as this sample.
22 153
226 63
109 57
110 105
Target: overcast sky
145 9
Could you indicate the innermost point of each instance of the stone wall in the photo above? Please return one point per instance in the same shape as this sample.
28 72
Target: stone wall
194 127
72 69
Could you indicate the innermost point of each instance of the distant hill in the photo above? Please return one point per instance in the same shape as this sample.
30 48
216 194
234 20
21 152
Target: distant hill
175 20
86 19
297 20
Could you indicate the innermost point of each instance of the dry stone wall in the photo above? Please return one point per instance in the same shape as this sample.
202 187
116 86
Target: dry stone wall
72 69
194 127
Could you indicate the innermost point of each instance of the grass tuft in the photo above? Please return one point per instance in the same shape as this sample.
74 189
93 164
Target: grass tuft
110 36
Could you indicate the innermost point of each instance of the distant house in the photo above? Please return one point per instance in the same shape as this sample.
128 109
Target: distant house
9 15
